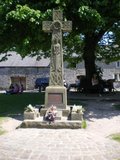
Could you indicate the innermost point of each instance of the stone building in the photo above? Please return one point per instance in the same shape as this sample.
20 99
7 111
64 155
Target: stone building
110 71
27 70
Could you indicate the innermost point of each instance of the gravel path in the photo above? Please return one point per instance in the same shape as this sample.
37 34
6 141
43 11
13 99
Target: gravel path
102 117
92 143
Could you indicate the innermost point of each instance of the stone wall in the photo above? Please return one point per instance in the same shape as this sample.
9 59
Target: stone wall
70 75
32 73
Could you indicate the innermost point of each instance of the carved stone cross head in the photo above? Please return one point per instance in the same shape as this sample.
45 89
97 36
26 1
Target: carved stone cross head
57 23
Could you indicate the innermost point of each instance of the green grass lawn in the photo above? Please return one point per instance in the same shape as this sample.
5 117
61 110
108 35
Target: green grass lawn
1 131
117 106
17 103
2 119
116 137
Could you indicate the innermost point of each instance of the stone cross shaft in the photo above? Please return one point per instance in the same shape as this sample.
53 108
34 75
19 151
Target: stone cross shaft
56 27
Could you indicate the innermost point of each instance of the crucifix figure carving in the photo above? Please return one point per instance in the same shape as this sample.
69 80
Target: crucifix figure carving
56 27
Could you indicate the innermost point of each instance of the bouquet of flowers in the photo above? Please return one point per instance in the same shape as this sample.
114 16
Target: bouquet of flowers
51 114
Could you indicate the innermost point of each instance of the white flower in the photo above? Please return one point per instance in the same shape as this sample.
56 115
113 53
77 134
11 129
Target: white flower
30 108
77 109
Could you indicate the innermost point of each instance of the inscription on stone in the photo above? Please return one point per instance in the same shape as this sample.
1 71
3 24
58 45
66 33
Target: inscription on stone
55 98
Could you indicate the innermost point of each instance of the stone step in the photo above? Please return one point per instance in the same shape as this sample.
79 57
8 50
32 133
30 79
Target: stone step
58 124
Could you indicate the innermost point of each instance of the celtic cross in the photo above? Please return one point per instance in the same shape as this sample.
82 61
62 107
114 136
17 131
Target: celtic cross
56 27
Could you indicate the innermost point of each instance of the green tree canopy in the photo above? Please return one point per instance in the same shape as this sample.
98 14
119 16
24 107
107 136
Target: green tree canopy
21 29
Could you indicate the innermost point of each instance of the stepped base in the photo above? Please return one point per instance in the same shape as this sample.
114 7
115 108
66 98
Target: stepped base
65 118
58 124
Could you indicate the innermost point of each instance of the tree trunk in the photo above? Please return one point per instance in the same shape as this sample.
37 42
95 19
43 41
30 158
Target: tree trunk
89 58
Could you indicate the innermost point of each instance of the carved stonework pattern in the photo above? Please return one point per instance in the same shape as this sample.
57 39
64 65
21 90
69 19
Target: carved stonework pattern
56 64
56 37
57 15
46 26
67 26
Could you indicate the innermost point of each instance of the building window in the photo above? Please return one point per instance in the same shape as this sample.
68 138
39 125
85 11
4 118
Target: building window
118 64
117 77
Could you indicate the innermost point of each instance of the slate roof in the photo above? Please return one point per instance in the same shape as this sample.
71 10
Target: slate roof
15 60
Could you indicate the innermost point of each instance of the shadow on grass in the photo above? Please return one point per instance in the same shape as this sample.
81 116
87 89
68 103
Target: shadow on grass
100 109
97 107
117 106
14 105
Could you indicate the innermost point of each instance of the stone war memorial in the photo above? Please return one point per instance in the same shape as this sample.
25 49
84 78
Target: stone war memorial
55 94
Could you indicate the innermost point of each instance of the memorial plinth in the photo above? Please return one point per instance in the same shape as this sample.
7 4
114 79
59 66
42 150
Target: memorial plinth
56 95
